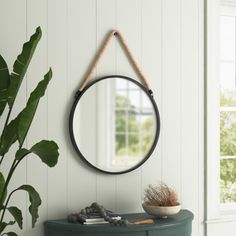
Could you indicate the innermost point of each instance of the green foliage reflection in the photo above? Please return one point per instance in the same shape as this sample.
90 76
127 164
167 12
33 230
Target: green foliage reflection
134 129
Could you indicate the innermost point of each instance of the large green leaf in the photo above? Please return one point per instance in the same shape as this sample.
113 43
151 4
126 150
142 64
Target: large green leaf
3 225
19 127
2 184
10 234
21 153
46 150
27 115
4 83
35 201
16 213
9 136
21 64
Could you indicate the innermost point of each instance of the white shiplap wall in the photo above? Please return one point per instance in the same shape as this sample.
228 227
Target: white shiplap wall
166 38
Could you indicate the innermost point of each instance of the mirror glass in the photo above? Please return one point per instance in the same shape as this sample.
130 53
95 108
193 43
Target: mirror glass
114 124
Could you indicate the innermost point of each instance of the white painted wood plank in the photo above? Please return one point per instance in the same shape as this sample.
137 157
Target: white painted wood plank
81 50
106 21
171 106
129 185
36 170
57 106
12 38
190 108
201 141
152 68
212 111
129 11
10 45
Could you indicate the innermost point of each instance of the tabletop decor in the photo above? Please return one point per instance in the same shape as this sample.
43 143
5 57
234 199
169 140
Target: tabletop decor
98 214
160 200
15 130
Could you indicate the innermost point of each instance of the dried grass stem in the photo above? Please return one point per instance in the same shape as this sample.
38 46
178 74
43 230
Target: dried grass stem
160 195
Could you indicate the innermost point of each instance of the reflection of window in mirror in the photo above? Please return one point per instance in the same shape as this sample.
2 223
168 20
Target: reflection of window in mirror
125 124
134 124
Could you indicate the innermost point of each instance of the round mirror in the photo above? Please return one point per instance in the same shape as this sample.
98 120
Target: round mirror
114 124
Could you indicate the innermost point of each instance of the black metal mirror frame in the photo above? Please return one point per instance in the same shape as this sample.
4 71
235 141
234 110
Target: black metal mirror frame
79 94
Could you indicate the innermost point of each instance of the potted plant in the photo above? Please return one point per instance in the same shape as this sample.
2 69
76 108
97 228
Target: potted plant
16 129
160 200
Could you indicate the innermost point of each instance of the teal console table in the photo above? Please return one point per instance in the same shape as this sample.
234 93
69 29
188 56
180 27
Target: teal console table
177 225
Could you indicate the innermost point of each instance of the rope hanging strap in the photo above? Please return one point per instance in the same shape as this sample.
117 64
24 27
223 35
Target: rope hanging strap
100 53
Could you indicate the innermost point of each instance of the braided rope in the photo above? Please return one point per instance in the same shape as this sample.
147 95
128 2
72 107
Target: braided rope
100 53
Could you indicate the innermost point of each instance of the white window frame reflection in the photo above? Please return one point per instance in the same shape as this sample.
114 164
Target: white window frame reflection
127 90
106 129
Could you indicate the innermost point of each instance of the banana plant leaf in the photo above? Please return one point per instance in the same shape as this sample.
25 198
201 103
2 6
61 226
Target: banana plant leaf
3 225
27 114
24 119
46 150
21 64
10 234
9 136
17 215
2 184
35 201
4 83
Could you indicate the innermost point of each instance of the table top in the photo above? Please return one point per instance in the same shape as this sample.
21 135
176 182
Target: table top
183 217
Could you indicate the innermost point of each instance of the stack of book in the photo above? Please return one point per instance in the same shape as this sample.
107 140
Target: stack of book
90 219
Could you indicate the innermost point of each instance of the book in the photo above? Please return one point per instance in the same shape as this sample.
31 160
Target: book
96 222
94 219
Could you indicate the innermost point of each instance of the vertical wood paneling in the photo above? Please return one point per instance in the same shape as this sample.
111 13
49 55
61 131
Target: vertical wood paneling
57 105
190 109
13 35
171 86
81 50
152 67
164 37
37 177
106 20
129 23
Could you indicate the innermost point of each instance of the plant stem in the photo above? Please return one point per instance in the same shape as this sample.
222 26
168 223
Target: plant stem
5 207
8 180
12 169
1 159
4 128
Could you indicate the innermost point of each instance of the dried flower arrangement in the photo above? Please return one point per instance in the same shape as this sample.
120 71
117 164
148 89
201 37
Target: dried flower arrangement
160 195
